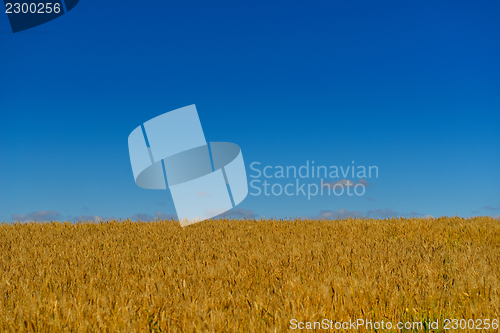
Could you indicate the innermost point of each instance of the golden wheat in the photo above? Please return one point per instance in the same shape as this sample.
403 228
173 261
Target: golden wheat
245 275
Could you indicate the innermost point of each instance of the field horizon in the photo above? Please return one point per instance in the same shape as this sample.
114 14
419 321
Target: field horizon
230 275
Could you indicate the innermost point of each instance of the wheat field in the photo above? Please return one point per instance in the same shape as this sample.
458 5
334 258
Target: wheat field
246 275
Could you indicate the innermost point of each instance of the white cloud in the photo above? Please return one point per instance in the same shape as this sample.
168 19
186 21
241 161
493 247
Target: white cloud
214 212
491 207
243 213
157 215
341 213
387 213
375 213
41 215
382 213
96 218
412 213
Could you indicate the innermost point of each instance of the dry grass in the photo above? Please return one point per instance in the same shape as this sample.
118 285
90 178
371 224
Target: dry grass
245 276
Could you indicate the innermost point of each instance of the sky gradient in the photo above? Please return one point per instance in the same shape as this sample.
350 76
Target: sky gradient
409 87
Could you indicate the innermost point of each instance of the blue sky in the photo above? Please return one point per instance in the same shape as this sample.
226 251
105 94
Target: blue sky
411 87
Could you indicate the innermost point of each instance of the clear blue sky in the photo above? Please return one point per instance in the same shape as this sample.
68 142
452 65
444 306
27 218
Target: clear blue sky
412 87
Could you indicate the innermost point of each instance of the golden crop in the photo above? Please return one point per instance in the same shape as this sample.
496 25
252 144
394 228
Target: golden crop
245 275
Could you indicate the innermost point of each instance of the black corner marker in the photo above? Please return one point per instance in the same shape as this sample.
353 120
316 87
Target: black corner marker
26 15
70 4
